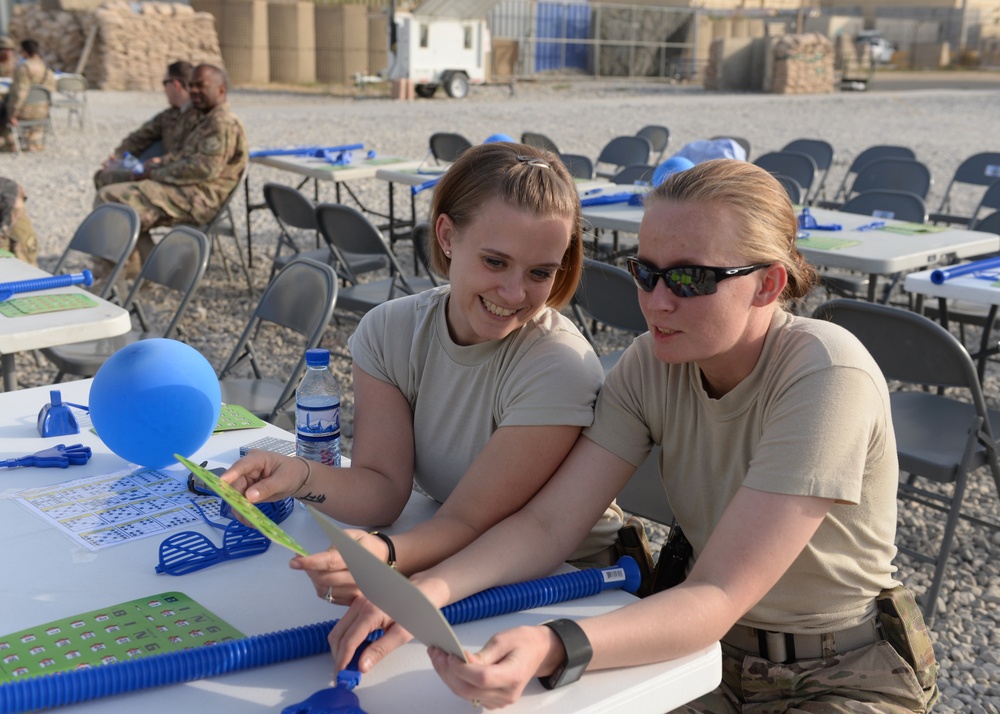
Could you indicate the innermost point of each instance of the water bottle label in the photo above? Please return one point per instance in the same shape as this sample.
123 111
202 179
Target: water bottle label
317 423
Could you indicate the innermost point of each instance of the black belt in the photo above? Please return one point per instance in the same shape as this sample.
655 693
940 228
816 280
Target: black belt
787 647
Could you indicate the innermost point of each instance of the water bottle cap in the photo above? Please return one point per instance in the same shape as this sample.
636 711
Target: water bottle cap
318 357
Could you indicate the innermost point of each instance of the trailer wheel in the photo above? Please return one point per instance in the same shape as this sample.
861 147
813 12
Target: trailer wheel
456 84
425 91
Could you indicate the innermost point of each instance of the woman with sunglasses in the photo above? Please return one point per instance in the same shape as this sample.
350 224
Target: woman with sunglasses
779 462
474 391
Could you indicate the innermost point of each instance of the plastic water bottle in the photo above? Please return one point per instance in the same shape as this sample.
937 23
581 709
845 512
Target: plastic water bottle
131 163
317 411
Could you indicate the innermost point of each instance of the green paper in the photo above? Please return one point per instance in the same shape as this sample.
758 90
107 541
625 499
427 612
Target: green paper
5 253
166 622
233 416
911 229
250 513
37 304
825 243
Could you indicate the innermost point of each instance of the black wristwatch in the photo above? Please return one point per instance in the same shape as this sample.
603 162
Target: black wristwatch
578 653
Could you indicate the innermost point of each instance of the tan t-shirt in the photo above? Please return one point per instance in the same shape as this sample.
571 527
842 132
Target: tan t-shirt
544 373
811 419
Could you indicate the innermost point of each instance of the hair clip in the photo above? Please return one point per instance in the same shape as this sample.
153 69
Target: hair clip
532 161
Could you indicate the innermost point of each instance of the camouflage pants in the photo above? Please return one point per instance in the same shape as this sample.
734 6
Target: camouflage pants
874 679
156 205
106 177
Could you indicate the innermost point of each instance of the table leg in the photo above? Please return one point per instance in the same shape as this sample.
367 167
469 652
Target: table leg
9 372
872 287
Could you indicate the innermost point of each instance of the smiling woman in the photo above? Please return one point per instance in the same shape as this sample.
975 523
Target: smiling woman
482 383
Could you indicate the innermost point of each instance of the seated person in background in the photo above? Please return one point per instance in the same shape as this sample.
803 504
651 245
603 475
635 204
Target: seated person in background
189 185
32 70
474 391
169 128
779 461
7 59
16 232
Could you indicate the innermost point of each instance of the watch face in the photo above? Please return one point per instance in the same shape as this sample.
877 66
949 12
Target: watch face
571 674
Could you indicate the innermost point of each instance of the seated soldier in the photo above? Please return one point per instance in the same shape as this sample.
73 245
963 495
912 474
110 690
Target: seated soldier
17 235
32 70
7 59
190 185
169 128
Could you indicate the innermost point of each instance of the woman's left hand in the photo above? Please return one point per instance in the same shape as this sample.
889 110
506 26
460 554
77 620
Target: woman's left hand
328 571
496 675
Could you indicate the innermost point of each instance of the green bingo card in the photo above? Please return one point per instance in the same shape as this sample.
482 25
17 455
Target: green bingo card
167 622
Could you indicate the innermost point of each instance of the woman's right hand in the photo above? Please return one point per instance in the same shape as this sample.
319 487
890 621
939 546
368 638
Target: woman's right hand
264 476
361 619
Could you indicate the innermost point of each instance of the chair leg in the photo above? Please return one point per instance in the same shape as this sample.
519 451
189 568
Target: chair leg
931 596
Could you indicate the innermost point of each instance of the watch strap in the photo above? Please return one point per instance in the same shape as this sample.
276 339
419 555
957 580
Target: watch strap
578 653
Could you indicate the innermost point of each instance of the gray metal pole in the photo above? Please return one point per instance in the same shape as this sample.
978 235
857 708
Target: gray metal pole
5 13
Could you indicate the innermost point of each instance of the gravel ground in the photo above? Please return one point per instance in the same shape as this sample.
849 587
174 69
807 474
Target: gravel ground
943 126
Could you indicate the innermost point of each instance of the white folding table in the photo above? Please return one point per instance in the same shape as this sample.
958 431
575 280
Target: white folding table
48 577
47 329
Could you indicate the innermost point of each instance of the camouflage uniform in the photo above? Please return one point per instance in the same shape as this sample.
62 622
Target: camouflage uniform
16 232
31 71
170 127
7 68
190 186
897 675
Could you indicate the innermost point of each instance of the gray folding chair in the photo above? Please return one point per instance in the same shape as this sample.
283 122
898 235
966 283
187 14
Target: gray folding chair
793 188
822 153
293 210
608 296
884 203
990 199
110 233
981 169
623 151
71 95
633 174
351 232
446 147
177 263
533 138
879 151
223 224
37 95
300 301
659 137
892 174
898 205
940 436
578 165
794 164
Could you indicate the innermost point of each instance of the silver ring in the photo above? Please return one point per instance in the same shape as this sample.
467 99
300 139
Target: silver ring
329 595
476 704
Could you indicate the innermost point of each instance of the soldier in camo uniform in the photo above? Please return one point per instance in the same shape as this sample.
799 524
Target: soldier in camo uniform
163 135
188 187
17 235
778 459
32 70
7 59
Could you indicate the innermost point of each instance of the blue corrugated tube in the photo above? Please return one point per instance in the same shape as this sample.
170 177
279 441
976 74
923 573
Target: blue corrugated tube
64 688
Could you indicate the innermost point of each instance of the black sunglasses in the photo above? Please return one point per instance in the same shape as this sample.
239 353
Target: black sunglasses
686 280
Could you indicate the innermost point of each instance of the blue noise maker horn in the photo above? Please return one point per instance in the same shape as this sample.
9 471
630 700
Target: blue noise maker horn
7 290
942 274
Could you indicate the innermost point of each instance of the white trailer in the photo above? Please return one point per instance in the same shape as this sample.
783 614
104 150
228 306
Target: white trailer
442 43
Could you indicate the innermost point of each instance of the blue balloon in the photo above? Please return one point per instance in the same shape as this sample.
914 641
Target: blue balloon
498 137
670 166
153 399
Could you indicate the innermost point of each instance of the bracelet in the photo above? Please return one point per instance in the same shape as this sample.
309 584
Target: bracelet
391 560
308 472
